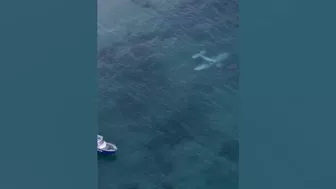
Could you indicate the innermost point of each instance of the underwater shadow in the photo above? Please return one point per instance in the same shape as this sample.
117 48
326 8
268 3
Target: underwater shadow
107 158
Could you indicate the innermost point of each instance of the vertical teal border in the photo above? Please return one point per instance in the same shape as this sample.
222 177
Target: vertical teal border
48 94
287 128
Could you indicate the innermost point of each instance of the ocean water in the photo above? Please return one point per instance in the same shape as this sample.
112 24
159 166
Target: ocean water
176 128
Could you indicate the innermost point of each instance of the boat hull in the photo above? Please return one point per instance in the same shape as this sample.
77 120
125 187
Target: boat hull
103 152
109 149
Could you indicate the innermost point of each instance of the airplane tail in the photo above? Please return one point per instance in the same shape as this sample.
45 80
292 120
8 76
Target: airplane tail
197 55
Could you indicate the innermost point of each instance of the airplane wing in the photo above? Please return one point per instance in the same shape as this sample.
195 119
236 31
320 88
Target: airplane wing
197 55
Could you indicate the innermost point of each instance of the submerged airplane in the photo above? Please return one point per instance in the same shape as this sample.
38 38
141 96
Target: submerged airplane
217 60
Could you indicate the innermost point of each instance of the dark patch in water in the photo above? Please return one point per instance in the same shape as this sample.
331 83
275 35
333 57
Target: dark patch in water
173 133
230 150
158 162
132 186
167 185
107 55
142 37
144 3
129 106
107 158
207 89
218 177
181 126
141 51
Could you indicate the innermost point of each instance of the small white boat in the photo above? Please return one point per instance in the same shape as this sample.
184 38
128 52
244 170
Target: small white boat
104 147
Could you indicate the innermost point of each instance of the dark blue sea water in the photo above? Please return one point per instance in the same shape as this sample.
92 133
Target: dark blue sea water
176 128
